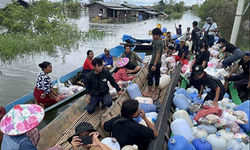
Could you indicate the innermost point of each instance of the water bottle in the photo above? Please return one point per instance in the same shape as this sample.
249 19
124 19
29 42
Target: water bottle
164 81
111 142
133 91
199 132
218 142
180 101
184 115
182 91
147 107
192 90
227 134
202 144
235 144
178 142
146 100
209 128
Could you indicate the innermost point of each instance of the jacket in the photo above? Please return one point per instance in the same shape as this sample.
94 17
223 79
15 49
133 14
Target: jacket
107 60
92 83
121 74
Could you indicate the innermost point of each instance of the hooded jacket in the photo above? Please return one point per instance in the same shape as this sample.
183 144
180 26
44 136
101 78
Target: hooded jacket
92 83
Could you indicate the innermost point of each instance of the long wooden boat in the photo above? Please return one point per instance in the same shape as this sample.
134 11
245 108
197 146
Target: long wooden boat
29 98
76 114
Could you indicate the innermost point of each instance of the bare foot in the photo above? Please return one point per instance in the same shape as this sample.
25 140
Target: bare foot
155 92
147 94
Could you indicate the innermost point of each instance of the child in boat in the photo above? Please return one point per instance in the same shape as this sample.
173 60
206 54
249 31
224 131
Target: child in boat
183 54
126 130
155 63
107 59
43 92
217 89
87 66
84 130
120 72
97 88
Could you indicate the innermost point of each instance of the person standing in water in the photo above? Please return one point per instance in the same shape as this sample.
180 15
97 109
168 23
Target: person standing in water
43 92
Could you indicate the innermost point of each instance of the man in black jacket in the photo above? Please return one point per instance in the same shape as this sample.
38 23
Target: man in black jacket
96 86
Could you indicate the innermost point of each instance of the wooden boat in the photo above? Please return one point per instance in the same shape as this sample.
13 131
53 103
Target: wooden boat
29 98
76 114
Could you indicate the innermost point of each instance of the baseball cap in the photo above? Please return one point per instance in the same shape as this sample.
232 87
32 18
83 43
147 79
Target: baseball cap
84 126
198 70
246 53
209 19
106 49
182 39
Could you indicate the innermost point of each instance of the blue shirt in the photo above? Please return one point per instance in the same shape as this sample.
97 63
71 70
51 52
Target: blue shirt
182 50
19 142
107 60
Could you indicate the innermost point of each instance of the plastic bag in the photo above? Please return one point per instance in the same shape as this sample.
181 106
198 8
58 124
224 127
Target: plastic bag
195 107
212 118
243 136
241 116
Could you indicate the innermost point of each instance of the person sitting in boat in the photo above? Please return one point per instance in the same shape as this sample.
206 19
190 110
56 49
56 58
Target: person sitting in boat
183 54
217 89
209 29
201 58
168 40
107 59
179 30
228 47
87 66
132 66
85 133
120 72
43 92
245 76
155 63
97 88
126 130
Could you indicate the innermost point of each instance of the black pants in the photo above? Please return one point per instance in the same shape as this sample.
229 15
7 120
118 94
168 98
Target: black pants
152 74
211 95
94 101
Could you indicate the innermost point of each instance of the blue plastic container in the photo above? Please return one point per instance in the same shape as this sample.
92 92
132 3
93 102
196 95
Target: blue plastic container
193 95
178 142
164 30
133 90
180 101
198 100
192 116
243 106
183 91
226 95
147 107
202 144
245 127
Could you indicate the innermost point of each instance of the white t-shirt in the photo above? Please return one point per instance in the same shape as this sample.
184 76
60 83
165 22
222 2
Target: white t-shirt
206 26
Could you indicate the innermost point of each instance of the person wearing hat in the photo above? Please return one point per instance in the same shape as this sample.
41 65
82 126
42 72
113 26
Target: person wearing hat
132 66
82 131
183 54
120 72
155 63
217 89
245 76
107 59
17 123
209 29
228 47
97 86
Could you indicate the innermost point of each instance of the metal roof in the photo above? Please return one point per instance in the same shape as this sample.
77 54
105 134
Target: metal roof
124 8
107 4
151 12
131 6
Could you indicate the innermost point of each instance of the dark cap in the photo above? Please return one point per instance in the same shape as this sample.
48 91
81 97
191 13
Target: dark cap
84 126
209 19
221 40
198 70
156 31
246 53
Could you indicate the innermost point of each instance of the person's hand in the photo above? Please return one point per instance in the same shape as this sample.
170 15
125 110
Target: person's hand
228 76
215 104
95 140
76 141
145 63
153 68
88 99
248 86
191 69
120 93
142 114
218 56
181 62
58 99
199 96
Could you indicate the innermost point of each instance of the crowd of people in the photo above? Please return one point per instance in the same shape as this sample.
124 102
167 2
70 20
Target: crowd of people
96 75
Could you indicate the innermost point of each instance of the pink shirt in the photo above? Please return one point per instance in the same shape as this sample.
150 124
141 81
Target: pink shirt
121 74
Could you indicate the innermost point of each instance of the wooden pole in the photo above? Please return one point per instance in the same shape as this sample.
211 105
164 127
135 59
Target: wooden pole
237 21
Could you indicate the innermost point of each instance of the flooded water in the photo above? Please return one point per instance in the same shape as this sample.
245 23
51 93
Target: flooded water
19 78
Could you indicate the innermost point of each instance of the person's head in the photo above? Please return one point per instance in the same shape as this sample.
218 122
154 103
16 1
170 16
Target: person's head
246 56
179 25
188 29
222 41
203 43
182 41
127 49
156 32
82 130
169 34
195 24
106 51
130 109
46 67
209 20
198 71
90 54
98 64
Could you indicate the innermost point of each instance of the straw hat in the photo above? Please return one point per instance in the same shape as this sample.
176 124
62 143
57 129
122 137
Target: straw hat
122 62
21 119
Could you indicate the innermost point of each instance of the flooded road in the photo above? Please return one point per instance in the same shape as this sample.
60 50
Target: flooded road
19 78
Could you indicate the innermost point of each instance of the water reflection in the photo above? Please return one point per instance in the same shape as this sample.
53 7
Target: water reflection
19 78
